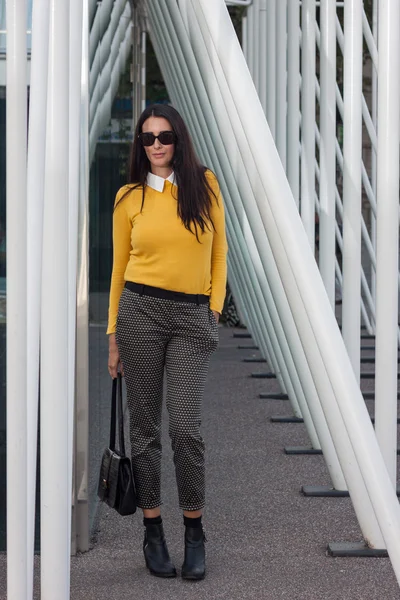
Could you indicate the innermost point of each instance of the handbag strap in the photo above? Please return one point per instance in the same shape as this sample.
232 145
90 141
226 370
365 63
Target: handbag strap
113 414
120 417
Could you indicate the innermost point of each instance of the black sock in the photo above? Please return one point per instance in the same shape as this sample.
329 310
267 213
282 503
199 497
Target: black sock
152 521
189 522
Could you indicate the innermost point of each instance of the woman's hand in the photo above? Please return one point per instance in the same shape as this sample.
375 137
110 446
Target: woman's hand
113 357
216 315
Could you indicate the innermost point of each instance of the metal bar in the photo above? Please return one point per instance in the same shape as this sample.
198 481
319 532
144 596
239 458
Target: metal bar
55 432
387 262
35 192
249 38
255 41
293 109
327 216
271 66
307 206
17 425
143 70
82 315
352 121
374 110
75 83
263 19
281 76
365 111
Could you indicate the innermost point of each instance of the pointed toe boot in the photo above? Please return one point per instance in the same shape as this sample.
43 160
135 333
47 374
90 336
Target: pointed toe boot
156 552
194 566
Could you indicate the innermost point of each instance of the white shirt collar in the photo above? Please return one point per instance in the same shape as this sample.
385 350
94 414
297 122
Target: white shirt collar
157 183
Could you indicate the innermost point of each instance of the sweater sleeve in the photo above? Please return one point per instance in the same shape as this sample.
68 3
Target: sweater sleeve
219 248
122 228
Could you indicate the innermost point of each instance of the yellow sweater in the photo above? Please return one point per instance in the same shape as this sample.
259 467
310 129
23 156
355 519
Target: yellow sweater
154 248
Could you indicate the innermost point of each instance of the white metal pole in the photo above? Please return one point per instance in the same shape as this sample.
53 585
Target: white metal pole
35 195
255 39
143 71
307 194
55 434
271 66
327 218
374 114
387 262
352 121
135 63
250 39
18 560
281 76
81 508
75 80
263 50
293 109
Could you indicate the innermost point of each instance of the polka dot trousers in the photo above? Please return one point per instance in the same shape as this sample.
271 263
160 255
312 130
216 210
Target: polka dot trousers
153 334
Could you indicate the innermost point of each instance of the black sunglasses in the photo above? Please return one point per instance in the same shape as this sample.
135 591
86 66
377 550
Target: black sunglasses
166 138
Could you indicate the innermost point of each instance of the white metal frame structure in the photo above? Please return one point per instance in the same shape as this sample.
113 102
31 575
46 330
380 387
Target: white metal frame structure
346 177
253 115
238 127
51 270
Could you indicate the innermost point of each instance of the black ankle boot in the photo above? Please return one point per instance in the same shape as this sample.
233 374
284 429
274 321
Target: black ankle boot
194 566
156 552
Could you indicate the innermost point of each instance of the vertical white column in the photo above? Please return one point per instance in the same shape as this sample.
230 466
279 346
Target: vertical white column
352 121
55 435
327 219
258 60
16 114
271 66
281 70
293 116
307 196
263 49
374 111
135 68
387 266
75 73
81 508
35 198
250 38
143 71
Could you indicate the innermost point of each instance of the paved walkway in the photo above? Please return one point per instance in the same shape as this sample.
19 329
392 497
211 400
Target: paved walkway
265 540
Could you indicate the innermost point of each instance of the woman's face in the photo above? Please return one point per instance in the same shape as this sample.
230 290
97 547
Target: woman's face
160 156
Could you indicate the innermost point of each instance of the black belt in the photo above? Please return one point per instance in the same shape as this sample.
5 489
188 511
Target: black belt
154 292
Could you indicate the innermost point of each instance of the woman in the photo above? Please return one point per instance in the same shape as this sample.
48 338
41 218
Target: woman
167 291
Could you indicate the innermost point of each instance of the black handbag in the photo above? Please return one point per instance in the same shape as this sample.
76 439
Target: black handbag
116 485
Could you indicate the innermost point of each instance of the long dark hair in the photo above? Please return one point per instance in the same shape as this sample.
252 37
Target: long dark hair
193 190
